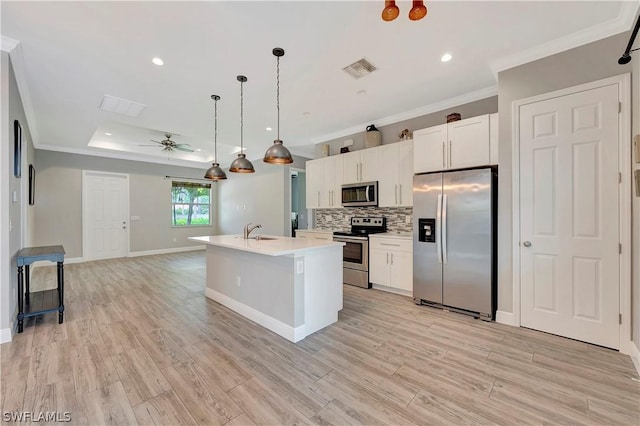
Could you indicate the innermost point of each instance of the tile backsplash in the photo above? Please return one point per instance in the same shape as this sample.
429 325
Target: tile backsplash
339 219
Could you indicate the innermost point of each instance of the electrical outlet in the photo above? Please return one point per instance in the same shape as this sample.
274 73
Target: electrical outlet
175 239
300 267
407 219
238 280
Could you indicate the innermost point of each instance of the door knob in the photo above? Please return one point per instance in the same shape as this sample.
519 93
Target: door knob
527 244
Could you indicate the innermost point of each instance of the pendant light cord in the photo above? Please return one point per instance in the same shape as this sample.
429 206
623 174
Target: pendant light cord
241 117
278 93
215 131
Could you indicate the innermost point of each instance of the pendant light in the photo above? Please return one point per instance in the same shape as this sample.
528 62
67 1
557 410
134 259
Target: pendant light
418 11
241 164
215 172
278 153
390 11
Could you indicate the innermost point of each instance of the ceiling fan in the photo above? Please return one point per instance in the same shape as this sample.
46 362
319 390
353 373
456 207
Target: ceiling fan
169 145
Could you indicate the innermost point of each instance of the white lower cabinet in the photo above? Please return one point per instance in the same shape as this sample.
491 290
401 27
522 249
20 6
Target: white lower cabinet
391 263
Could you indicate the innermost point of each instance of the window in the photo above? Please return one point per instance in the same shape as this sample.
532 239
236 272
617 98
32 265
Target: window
190 204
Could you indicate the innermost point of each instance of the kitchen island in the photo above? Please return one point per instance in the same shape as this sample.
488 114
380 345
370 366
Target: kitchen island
290 286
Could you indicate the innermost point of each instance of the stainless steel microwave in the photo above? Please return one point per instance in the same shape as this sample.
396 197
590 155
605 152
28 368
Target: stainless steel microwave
360 194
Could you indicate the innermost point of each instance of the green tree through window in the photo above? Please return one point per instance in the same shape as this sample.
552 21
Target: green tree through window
190 204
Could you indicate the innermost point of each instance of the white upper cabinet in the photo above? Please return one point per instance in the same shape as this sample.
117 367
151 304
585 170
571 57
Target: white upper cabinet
324 182
466 143
429 149
395 179
360 166
313 183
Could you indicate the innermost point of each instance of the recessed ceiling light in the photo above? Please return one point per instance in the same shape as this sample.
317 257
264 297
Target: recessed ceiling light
268 129
157 61
446 57
198 149
361 92
108 134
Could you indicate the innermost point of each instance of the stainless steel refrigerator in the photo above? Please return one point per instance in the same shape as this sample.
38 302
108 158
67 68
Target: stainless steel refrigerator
454 240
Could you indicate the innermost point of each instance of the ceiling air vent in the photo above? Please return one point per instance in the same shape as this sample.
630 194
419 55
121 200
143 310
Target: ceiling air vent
359 68
121 106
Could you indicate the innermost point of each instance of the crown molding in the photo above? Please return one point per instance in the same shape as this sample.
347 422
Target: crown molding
94 152
417 112
8 44
623 22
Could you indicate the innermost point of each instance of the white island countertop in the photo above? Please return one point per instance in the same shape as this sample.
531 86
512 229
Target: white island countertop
270 245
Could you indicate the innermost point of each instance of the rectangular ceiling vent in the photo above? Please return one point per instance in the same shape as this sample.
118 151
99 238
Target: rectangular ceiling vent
359 68
121 106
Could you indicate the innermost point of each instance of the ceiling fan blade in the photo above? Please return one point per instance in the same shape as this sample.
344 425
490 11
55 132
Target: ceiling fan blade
182 148
147 145
156 142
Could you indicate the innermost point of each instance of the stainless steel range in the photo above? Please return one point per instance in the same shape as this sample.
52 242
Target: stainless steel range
355 258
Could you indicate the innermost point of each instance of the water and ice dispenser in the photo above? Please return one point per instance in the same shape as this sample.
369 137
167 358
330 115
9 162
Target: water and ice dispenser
427 230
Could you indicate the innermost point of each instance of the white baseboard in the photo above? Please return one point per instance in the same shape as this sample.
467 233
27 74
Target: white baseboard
288 332
5 335
503 317
635 356
166 251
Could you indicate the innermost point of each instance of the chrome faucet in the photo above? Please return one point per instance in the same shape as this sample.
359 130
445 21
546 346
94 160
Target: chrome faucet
248 228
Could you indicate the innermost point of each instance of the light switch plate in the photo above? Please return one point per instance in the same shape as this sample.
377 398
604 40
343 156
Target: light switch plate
636 147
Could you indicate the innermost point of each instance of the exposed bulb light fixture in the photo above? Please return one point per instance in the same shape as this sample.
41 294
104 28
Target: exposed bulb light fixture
277 153
158 61
241 164
215 172
446 57
390 11
418 10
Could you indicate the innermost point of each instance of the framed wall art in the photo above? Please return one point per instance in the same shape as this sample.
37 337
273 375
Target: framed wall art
32 185
17 148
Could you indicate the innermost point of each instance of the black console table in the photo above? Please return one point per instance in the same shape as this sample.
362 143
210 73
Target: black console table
40 302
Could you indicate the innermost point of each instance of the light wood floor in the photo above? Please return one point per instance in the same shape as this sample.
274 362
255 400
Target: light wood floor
141 344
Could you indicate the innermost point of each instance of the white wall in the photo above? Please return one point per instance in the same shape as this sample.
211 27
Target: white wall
635 288
261 197
13 222
58 209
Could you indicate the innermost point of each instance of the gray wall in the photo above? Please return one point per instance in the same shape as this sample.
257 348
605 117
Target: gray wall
583 64
262 197
299 199
12 221
58 209
391 132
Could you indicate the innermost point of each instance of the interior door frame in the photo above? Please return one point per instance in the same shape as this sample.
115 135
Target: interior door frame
85 222
623 81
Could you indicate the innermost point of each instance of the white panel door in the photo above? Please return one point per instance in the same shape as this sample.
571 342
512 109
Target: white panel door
105 215
570 280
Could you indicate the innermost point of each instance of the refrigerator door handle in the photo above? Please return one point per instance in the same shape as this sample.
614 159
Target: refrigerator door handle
439 228
443 232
